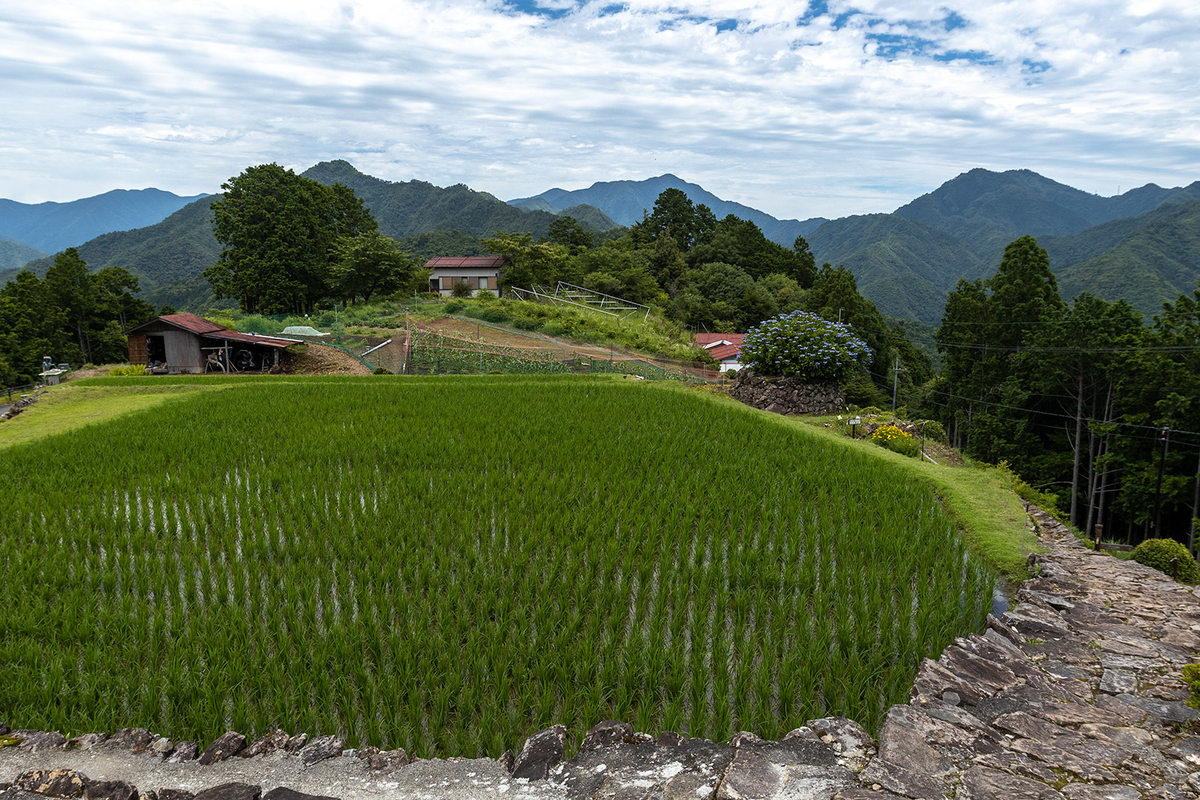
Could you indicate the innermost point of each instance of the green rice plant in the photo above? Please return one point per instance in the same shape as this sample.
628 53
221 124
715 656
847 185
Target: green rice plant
427 563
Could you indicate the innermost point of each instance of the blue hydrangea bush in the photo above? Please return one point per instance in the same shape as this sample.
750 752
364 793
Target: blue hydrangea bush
802 345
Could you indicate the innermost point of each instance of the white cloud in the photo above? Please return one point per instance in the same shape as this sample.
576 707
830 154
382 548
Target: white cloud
856 109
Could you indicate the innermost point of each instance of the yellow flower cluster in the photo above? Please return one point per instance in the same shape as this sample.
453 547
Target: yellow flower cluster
887 433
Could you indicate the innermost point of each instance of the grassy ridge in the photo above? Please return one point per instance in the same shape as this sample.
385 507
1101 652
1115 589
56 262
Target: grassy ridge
449 564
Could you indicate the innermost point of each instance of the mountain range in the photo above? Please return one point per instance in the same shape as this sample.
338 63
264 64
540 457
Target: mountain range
51 227
1142 245
627 201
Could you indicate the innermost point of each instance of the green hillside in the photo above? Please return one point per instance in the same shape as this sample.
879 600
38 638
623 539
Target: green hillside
904 266
1152 264
414 207
625 202
178 248
14 255
51 227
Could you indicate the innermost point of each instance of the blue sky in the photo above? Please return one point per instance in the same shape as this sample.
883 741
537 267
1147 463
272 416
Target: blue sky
800 109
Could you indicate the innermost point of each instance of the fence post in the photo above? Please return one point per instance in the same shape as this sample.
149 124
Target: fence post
1098 532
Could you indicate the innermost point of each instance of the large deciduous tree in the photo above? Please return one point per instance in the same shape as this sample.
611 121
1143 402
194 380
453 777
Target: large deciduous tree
279 232
370 264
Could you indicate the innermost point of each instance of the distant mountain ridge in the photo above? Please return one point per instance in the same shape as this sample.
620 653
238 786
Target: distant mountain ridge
985 210
413 207
51 227
625 201
1142 245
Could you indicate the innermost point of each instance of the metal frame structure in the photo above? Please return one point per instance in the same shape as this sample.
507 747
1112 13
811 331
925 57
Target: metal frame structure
580 297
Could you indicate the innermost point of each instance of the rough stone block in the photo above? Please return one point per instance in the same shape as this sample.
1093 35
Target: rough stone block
606 734
53 782
541 753
225 746
231 791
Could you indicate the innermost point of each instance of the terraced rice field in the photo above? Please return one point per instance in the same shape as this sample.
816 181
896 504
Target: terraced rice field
448 564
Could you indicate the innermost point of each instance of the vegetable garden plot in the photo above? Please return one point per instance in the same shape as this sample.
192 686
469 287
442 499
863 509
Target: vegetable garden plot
450 564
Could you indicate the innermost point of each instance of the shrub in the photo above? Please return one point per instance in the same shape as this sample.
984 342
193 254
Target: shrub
455 306
133 369
526 324
381 371
1191 676
460 289
803 345
896 440
1158 553
932 430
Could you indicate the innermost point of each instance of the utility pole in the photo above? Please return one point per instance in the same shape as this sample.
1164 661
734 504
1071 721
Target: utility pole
1162 457
895 382
1195 513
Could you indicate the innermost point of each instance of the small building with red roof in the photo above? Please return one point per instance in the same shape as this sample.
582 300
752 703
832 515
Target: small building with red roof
725 348
479 273
183 344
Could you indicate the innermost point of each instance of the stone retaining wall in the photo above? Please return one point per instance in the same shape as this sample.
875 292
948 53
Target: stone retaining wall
1073 694
787 395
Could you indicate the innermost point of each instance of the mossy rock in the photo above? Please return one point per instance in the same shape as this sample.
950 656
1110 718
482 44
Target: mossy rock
1158 553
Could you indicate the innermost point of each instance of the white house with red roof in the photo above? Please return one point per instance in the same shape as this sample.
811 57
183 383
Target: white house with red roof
725 348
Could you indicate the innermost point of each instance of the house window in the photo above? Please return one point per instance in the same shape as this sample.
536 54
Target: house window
483 282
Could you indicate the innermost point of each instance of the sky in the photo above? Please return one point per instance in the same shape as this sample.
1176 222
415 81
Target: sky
800 109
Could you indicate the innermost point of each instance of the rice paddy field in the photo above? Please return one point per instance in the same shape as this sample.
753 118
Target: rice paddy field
449 564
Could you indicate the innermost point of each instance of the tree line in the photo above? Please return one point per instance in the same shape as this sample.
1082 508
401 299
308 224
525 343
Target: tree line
1082 399
71 315
721 276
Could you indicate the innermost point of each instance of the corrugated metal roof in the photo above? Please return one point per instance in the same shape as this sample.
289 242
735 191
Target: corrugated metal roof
249 338
211 330
192 323
465 262
725 352
704 339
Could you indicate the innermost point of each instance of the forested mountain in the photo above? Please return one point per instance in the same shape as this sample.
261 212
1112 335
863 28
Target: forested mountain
986 210
51 227
625 201
14 255
1137 245
168 257
412 207
176 249
1152 264
904 266
1140 245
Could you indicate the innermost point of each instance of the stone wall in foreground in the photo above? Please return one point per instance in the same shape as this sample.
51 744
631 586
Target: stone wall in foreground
787 395
1073 694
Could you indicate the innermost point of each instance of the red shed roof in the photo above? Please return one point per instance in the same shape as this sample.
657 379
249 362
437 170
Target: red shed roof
707 340
723 352
211 330
465 262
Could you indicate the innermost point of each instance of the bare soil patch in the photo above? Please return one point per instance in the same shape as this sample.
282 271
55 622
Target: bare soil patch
319 359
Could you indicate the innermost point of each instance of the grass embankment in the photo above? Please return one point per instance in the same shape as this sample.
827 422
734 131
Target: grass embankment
75 405
652 335
345 556
979 498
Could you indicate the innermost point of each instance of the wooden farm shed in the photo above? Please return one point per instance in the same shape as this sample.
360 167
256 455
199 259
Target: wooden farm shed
187 344
481 273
